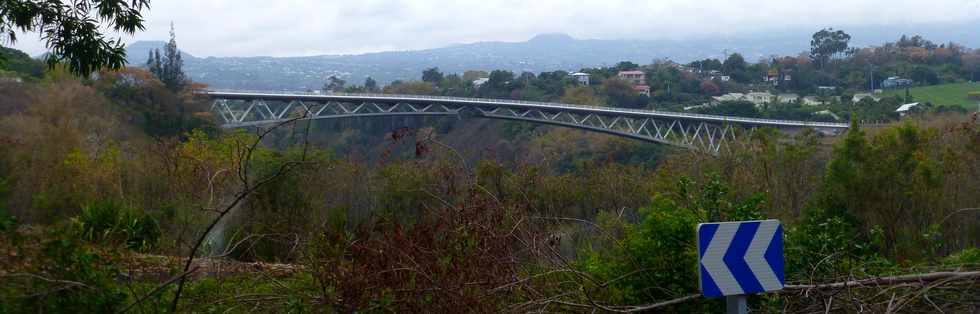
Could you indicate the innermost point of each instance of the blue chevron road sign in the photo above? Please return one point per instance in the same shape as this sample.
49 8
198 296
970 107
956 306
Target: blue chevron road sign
741 257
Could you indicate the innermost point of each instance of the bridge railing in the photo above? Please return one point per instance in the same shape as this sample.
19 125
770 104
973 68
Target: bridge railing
541 104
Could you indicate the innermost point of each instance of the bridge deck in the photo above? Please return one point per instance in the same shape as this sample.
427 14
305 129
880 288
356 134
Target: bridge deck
520 104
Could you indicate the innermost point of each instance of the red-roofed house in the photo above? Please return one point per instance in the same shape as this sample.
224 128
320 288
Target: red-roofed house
634 77
642 89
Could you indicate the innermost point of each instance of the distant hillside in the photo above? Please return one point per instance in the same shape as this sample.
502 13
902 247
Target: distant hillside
953 94
17 61
547 52
137 52
541 53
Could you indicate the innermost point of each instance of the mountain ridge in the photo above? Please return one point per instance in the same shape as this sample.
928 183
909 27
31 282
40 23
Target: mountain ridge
543 52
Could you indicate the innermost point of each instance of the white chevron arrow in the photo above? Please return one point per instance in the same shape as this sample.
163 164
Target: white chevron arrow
755 256
713 259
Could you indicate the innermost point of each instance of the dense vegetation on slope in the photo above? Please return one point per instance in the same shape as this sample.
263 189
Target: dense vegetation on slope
941 76
107 181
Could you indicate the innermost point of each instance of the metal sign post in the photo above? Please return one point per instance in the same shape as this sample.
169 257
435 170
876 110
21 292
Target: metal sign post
740 258
736 304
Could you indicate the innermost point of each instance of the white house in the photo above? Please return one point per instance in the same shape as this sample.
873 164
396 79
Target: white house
787 98
581 78
760 98
858 97
823 90
812 101
704 105
480 81
730 97
827 113
4 78
904 109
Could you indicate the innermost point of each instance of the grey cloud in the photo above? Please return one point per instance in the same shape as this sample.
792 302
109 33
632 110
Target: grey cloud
307 27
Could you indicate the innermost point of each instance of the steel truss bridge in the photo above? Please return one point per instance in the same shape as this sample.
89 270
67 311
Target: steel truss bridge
708 133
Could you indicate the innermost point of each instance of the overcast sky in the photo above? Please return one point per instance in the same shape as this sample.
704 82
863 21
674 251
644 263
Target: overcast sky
310 27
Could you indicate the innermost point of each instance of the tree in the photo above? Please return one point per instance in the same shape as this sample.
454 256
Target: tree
581 95
706 64
411 88
334 84
626 66
621 93
499 84
924 75
370 85
72 30
736 67
471 75
889 180
828 44
432 75
170 68
499 78
739 108
153 62
710 88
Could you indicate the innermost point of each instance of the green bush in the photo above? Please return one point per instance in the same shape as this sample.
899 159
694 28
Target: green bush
7 222
656 258
109 221
67 277
969 256
824 244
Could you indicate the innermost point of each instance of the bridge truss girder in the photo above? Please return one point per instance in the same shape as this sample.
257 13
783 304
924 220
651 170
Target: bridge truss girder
706 136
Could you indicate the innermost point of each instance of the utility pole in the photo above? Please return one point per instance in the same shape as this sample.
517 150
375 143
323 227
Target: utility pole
871 74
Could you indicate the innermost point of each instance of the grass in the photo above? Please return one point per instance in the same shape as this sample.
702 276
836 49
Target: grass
943 94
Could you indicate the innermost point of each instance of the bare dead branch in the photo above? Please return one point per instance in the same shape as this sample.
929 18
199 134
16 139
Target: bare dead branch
158 289
244 161
893 280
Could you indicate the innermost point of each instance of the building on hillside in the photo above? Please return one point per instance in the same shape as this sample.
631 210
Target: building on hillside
771 76
827 113
826 90
787 98
716 75
812 101
642 90
774 76
895 82
730 97
9 78
581 78
760 98
480 81
859 96
704 105
634 77
906 109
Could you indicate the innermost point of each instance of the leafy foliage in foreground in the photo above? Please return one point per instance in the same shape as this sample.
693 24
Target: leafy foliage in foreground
109 222
67 277
73 29
427 228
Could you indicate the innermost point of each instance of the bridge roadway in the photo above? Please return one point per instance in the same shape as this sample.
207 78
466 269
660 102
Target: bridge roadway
695 131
